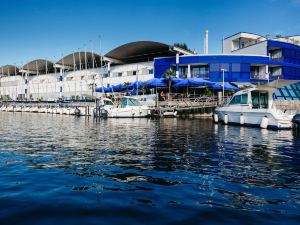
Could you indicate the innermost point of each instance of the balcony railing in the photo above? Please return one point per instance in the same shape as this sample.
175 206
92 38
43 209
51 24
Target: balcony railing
204 75
265 76
255 76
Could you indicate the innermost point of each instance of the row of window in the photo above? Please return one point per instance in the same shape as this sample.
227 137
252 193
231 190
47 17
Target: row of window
286 55
131 73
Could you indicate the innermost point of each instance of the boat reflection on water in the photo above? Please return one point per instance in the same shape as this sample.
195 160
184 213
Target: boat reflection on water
153 168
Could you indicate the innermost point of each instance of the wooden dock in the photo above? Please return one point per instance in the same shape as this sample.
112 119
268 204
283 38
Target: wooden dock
201 105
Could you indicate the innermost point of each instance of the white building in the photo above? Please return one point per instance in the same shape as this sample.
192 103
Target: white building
77 74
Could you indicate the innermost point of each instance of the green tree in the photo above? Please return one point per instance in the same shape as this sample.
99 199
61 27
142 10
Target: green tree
183 46
168 74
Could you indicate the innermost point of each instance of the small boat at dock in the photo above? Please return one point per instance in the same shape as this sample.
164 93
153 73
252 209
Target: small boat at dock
128 107
255 107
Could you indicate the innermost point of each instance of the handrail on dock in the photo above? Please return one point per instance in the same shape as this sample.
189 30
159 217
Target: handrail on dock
185 103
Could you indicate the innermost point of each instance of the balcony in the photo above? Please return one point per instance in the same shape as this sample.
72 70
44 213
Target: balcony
204 75
265 76
257 76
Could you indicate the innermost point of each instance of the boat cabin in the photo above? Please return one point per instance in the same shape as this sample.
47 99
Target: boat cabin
129 102
257 99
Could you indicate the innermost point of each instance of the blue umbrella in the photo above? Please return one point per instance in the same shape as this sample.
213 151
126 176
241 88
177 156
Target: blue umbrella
217 86
117 88
227 87
172 79
193 82
230 87
100 89
109 89
135 92
133 85
155 82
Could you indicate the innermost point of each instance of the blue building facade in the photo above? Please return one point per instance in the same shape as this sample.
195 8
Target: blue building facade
280 60
287 56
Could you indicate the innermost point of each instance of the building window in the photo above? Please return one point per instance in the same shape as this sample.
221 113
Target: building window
224 66
275 71
134 72
236 67
119 74
183 71
276 54
150 71
214 67
200 71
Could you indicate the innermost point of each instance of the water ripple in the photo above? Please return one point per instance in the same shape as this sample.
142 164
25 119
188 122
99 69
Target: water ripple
58 169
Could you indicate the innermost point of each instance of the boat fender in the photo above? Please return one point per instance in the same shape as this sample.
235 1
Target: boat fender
226 119
77 111
264 122
296 121
242 119
216 118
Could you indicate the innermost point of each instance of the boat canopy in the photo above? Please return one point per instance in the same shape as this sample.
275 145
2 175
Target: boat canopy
129 102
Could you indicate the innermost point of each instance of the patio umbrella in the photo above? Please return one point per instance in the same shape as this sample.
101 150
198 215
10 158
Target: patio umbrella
133 85
100 89
227 87
117 88
155 82
193 82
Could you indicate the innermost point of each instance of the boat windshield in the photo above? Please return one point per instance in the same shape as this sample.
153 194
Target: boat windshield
129 102
259 99
107 102
239 99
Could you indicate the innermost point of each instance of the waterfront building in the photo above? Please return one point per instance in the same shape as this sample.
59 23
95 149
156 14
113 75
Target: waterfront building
246 58
77 74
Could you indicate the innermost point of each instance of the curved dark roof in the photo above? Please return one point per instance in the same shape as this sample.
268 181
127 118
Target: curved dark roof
77 58
140 51
9 70
39 66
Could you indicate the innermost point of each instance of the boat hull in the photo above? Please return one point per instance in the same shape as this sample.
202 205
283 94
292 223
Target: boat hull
128 112
255 118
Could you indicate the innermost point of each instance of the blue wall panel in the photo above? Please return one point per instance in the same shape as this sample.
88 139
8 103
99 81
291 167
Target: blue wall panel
237 66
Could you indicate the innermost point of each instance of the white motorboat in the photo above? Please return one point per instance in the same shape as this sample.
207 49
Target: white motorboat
69 111
10 108
34 109
26 109
18 109
128 107
42 110
3 108
49 110
255 107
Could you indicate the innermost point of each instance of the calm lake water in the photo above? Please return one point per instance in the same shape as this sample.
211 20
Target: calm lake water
64 170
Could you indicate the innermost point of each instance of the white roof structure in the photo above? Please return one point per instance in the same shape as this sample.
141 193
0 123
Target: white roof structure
38 66
9 70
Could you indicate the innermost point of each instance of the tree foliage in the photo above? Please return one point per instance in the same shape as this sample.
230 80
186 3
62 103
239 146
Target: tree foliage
183 46
169 73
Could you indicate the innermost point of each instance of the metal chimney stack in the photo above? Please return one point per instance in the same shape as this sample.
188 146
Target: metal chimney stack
206 42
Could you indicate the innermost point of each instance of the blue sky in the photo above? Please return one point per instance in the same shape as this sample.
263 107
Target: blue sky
32 29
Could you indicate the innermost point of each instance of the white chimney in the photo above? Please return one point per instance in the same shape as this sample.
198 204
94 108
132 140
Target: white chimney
206 42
